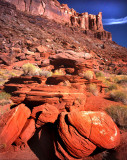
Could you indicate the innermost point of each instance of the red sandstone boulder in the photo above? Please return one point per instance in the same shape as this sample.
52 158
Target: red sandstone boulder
75 145
48 113
12 126
57 91
97 126
80 132
41 49
28 130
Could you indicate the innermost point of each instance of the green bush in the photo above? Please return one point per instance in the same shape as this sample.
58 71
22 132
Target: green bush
119 115
32 70
93 89
119 95
88 75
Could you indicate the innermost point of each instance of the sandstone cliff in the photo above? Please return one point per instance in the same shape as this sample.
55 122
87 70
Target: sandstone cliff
61 13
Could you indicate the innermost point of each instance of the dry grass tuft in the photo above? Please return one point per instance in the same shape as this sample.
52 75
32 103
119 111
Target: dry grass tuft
88 75
93 89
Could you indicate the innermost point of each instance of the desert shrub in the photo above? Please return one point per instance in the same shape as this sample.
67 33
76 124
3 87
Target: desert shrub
88 75
115 79
93 89
5 96
122 80
118 114
119 95
106 90
99 74
112 86
32 70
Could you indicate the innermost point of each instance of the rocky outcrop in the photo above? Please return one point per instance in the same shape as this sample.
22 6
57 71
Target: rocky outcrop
79 133
71 59
103 35
62 96
61 13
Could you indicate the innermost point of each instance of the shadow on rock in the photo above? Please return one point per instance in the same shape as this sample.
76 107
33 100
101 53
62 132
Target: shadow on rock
42 143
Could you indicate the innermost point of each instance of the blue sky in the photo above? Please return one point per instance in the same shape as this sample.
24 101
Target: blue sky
114 15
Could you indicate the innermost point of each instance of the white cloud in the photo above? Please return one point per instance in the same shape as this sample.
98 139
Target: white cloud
115 21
